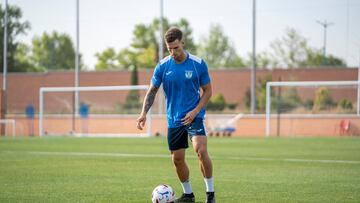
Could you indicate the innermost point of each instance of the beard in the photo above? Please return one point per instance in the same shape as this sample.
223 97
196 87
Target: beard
178 57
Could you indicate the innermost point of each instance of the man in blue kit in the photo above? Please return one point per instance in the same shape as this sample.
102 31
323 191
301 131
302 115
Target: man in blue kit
182 75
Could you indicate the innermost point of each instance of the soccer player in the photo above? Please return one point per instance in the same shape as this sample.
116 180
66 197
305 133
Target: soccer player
182 75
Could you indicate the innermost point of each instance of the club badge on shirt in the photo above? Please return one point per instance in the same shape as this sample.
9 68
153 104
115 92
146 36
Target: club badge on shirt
188 74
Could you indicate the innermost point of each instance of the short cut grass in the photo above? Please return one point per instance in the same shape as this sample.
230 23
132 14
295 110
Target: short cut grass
275 169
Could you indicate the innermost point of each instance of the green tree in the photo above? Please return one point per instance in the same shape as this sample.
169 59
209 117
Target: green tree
316 59
132 101
106 60
143 58
127 58
184 26
345 105
143 51
334 61
261 93
323 99
145 37
263 60
218 51
15 28
290 51
287 101
53 51
216 103
23 60
293 51
234 60
146 40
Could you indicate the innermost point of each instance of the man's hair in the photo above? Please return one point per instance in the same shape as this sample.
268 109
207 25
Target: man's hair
173 34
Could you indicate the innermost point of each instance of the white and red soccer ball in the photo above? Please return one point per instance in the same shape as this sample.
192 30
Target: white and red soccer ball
163 194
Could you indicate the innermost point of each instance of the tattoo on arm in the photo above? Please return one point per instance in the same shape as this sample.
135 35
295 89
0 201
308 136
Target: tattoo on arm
149 99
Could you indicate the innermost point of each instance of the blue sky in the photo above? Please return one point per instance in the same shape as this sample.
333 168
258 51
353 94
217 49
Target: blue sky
110 23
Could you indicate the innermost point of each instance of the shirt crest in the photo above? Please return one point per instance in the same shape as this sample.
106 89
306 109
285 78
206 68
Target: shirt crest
188 74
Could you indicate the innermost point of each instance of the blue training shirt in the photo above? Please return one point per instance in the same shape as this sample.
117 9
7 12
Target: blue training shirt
181 83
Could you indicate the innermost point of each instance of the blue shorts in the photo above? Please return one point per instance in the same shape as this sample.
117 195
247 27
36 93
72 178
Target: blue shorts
178 137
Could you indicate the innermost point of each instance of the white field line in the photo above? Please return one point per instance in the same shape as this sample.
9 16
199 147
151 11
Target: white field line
193 157
296 160
102 154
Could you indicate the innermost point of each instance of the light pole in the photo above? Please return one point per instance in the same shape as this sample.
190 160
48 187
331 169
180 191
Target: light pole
358 90
161 53
325 25
77 59
5 47
161 30
76 81
253 63
4 87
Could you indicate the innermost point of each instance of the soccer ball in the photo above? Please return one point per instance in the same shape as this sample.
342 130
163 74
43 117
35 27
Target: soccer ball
163 194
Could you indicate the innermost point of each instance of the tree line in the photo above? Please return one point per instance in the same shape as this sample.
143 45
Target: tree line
55 51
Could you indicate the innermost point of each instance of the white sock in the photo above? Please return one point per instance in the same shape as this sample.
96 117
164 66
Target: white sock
209 182
186 187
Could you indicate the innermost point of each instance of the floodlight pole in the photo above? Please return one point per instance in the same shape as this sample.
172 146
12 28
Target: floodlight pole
253 63
325 24
5 47
161 52
347 30
161 44
358 90
4 86
77 59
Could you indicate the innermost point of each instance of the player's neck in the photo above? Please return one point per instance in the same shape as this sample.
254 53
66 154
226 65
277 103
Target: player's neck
182 58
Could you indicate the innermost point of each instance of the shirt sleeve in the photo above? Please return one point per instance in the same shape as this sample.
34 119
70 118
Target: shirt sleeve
204 74
156 79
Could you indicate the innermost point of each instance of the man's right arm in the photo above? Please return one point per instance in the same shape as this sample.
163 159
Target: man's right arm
148 102
149 99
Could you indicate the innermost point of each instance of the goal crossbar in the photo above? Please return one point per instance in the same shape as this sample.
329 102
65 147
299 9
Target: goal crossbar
303 84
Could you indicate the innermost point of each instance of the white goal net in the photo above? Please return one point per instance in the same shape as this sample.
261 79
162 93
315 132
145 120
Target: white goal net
102 111
312 108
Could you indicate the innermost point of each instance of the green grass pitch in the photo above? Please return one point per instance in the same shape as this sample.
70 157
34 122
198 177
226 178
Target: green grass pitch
126 170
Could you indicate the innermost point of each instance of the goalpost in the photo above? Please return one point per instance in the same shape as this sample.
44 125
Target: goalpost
5 123
105 111
327 103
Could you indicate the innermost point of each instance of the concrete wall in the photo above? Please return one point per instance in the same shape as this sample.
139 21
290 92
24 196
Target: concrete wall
245 126
23 88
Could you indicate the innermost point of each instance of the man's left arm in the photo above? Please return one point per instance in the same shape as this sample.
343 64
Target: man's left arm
207 91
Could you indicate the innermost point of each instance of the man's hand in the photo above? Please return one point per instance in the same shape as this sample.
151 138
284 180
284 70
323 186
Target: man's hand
140 122
207 91
189 117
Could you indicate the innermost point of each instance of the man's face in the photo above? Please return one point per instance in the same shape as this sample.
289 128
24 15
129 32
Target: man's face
176 49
